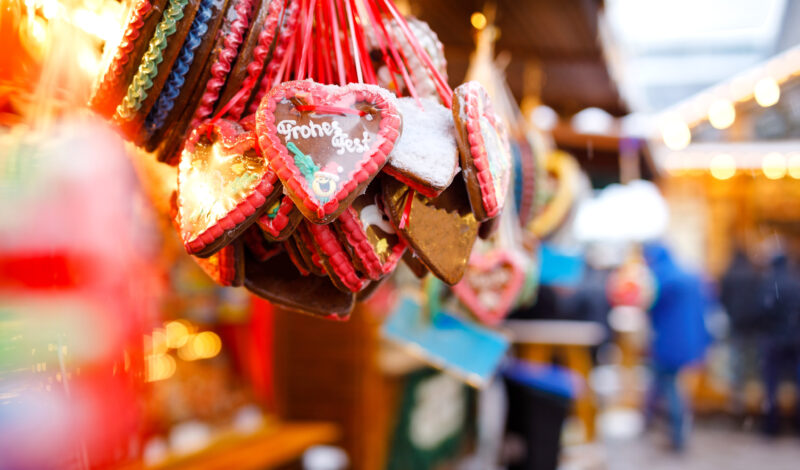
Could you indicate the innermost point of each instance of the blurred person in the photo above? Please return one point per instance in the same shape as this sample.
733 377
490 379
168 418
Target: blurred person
679 337
780 294
745 314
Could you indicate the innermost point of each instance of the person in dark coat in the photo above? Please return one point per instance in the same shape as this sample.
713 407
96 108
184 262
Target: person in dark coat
781 302
679 336
745 314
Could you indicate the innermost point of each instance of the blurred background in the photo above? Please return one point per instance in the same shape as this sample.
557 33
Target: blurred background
660 321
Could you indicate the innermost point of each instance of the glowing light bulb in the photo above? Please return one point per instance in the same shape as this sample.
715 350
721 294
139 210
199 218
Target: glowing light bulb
676 134
722 166
767 92
774 166
721 114
478 20
159 367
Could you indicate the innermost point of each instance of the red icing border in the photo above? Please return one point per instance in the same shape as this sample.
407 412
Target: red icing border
273 226
224 61
244 209
424 190
266 36
356 236
327 241
474 92
126 46
283 164
469 297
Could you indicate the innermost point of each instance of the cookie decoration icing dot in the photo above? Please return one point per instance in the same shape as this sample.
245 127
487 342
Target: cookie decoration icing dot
148 68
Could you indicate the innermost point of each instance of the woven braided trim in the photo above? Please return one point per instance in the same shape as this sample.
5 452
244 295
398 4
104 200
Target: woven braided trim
148 67
172 88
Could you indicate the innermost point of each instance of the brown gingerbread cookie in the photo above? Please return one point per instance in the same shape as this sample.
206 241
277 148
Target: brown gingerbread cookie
155 66
485 152
279 282
184 74
226 266
326 142
211 79
258 246
223 185
120 63
372 240
335 258
254 53
308 252
280 220
440 230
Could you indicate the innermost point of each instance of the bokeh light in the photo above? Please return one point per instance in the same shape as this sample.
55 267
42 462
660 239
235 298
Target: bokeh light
478 20
676 134
767 92
723 166
774 165
721 114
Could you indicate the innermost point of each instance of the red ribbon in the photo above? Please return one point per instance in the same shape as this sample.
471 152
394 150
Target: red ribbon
406 210
322 109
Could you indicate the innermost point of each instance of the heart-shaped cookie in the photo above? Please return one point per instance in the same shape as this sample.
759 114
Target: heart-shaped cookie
490 286
326 142
280 220
375 245
485 152
258 246
223 183
279 282
335 258
440 230
225 267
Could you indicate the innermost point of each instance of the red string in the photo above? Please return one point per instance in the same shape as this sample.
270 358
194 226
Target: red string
406 210
309 18
447 96
337 46
323 109
247 87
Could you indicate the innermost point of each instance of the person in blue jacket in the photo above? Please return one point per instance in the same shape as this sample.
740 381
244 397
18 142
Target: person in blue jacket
679 336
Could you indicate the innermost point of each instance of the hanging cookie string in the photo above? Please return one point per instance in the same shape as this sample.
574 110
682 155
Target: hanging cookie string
406 209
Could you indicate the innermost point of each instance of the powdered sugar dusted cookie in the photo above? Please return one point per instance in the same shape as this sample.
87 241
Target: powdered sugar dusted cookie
425 157
485 153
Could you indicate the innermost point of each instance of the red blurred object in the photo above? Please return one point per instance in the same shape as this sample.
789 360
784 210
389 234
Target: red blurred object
77 288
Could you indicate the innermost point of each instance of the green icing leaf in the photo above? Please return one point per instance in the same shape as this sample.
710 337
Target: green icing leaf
304 163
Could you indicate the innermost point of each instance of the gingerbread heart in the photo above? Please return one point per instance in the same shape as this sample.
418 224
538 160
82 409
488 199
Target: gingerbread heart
485 152
326 142
440 230
490 286
225 267
280 220
258 246
304 246
277 281
223 184
375 245
335 258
